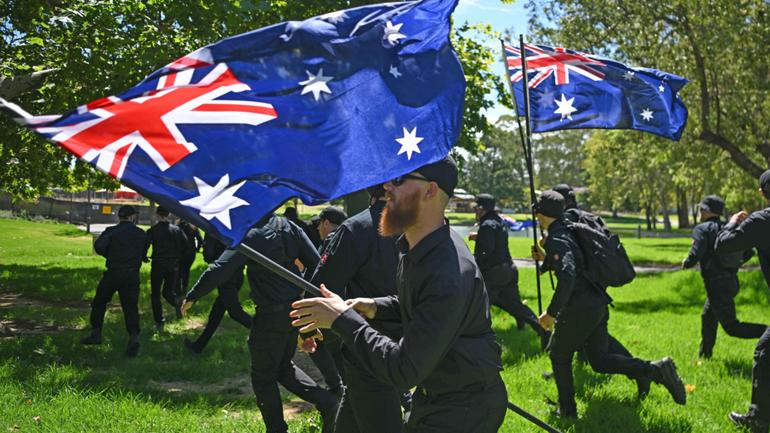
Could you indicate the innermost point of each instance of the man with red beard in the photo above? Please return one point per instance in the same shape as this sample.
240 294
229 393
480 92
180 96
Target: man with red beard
448 350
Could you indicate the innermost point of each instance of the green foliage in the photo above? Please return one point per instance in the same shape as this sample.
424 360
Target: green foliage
102 47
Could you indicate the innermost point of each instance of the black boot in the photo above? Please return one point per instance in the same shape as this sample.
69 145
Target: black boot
565 413
748 422
94 338
133 346
192 347
664 373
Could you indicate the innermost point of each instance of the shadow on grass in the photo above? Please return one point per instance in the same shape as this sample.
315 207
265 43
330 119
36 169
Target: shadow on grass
604 414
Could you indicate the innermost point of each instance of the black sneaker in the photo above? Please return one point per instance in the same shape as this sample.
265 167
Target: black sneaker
748 422
643 387
565 414
665 374
133 349
192 347
92 339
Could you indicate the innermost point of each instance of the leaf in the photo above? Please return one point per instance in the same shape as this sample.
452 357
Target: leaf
35 40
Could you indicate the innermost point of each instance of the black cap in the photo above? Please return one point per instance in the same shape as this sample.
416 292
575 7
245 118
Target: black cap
290 212
566 191
162 211
443 172
334 214
764 181
126 211
713 204
550 204
314 220
485 201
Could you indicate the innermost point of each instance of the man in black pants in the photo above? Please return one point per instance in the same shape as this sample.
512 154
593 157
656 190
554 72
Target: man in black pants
123 247
272 341
721 282
742 232
580 312
168 242
193 245
226 301
359 263
447 349
501 276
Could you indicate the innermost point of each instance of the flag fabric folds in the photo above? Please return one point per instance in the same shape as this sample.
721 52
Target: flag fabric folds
316 109
574 90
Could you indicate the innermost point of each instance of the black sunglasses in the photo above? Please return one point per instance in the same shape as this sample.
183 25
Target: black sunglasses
398 181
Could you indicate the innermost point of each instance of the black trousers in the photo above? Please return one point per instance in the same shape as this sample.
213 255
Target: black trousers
760 375
368 405
720 309
506 296
164 276
586 327
328 359
185 263
226 302
272 343
126 283
480 410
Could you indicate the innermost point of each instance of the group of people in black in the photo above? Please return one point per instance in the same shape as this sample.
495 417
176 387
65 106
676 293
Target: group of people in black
402 334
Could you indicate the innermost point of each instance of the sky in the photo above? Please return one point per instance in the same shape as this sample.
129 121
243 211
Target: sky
501 17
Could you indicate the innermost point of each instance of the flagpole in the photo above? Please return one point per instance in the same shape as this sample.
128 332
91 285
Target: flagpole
277 269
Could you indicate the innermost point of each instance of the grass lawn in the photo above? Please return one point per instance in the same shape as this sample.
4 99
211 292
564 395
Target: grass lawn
49 382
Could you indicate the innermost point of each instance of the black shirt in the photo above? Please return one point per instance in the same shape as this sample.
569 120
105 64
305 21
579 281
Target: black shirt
193 238
359 263
279 240
491 243
754 232
447 342
702 250
167 240
123 246
564 257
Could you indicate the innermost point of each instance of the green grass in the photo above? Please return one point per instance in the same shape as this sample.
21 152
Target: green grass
49 382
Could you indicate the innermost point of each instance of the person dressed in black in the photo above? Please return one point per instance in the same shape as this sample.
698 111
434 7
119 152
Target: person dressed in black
167 242
447 349
579 310
359 263
328 220
721 281
123 247
272 341
742 232
501 276
311 232
193 245
226 302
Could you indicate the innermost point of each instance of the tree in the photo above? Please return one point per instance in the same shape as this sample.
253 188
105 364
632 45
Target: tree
719 45
558 158
102 47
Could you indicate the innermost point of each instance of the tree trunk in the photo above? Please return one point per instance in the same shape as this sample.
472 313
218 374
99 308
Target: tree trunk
614 212
647 213
664 203
683 212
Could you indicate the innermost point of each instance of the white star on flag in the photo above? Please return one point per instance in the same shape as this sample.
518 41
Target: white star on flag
629 75
646 114
394 71
661 88
216 201
565 107
392 33
316 83
409 143
334 17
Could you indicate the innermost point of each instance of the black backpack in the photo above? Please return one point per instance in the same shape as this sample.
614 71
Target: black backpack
730 260
607 263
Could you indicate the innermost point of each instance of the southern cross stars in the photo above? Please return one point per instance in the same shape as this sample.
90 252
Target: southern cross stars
216 201
646 114
392 32
316 83
565 107
334 17
394 71
409 143
628 76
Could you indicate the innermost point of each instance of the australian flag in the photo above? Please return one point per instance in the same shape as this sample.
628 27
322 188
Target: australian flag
573 90
316 109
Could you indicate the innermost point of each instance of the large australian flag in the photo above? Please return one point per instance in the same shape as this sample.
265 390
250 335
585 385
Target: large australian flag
316 108
573 90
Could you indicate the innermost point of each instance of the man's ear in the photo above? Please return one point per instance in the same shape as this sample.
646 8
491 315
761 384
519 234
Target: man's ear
432 190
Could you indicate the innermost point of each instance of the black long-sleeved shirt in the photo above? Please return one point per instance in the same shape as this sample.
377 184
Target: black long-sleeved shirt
168 242
359 263
704 236
279 240
754 232
122 245
491 248
564 257
193 237
447 342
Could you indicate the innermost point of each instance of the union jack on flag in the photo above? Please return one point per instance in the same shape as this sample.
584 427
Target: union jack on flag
314 109
574 90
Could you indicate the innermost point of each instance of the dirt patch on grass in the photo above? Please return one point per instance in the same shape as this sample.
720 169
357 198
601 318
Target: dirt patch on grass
14 300
20 327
